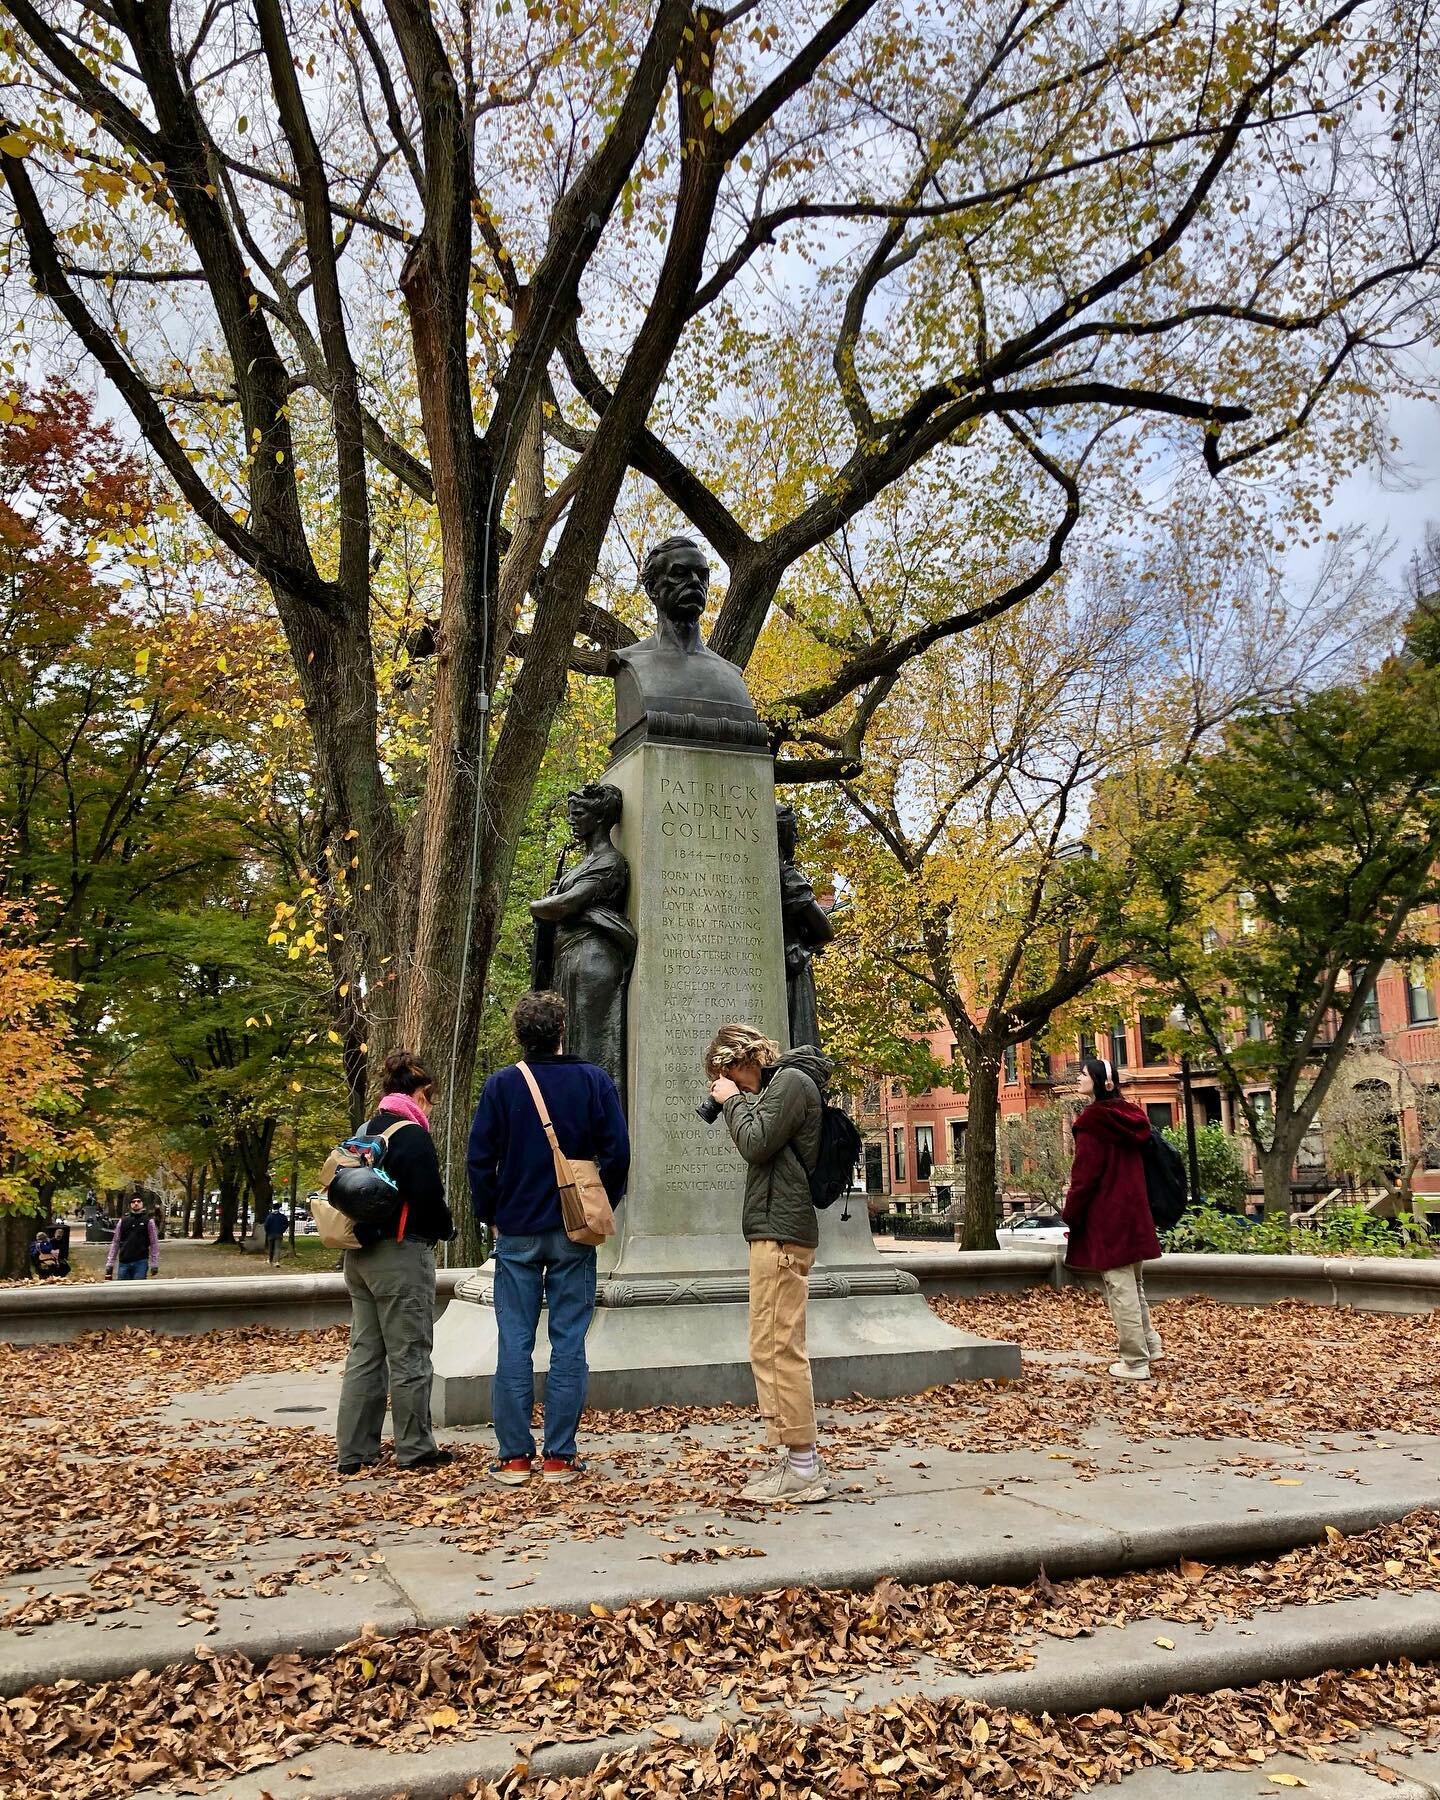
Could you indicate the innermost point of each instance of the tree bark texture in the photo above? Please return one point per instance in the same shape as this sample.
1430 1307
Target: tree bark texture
981 1148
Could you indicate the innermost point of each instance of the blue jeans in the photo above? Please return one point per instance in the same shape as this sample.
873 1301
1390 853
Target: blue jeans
527 1269
133 1271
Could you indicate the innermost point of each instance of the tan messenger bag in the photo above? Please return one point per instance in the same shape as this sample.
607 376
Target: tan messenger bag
584 1204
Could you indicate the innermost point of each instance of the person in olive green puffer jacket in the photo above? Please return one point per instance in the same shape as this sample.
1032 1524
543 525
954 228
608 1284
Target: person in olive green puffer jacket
772 1108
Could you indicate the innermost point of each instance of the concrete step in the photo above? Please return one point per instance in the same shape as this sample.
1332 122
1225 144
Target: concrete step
981 1519
1117 1668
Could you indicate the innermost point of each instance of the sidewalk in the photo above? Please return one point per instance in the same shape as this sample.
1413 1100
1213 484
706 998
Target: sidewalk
917 1514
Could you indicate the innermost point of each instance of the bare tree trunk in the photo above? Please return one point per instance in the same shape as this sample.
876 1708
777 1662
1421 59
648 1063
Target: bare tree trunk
16 1231
983 1119
198 1221
1275 1168
229 1198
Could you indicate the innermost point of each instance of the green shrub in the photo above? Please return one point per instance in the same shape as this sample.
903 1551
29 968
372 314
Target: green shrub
1347 1231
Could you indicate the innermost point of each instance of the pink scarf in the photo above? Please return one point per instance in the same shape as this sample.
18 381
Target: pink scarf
407 1106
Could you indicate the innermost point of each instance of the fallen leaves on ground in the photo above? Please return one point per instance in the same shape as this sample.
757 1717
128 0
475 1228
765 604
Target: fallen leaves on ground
563 1676
957 1749
127 1506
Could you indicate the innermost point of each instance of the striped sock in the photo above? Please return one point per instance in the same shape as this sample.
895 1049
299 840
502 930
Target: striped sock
805 1462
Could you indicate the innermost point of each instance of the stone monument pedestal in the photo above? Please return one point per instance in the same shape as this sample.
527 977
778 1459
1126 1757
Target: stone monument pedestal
678 1341
698 830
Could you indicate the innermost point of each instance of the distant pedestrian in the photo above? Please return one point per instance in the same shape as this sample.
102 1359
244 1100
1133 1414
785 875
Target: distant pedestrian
514 1192
276 1225
773 1107
47 1254
392 1287
135 1246
1108 1213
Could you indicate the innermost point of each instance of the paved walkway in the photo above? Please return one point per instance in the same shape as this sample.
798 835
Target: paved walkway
906 1509
211 1520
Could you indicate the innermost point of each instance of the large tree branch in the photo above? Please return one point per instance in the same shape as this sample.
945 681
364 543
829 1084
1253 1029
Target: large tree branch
655 460
887 657
344 386
578 221
793 77
52 283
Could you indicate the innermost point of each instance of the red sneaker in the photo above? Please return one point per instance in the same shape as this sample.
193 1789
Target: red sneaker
562 1468
515 1471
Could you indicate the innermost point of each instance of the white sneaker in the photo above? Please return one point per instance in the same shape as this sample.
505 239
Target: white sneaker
1124 1371
783 1485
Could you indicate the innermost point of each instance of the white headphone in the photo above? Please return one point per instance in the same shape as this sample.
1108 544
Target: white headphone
1109 1074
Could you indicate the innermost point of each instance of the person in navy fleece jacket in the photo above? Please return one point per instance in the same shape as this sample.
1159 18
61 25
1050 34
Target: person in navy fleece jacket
513 1191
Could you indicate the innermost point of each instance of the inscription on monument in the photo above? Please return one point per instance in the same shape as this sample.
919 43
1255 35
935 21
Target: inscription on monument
711 939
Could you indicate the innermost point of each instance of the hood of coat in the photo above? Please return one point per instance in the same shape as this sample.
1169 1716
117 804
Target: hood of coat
1114 1119
809 1060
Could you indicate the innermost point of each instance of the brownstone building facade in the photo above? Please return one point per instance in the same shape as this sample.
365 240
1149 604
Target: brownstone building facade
914 1143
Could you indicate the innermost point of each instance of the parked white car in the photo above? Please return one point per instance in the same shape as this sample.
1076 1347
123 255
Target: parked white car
1031 1234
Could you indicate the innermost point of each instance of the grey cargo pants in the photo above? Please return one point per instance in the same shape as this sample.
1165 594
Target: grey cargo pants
392 1327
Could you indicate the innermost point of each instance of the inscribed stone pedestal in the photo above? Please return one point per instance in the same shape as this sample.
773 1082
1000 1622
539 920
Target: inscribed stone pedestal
698 829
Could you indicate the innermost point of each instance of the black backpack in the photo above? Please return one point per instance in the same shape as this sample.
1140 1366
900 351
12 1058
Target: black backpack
1165 1185
840 1146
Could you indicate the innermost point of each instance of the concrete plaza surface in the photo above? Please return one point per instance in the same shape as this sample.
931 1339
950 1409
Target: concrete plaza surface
199 1511
908 1510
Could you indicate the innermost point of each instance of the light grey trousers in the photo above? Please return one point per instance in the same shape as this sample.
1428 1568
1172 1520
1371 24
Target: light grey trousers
1125 1296
392 1328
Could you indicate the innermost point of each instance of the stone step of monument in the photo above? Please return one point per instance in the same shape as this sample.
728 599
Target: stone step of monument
1116 1670
985 1519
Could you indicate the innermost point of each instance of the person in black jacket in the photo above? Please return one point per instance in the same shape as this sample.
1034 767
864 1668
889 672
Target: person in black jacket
392 1287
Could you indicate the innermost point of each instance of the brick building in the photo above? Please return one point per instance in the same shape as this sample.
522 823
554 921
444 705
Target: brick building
914 1143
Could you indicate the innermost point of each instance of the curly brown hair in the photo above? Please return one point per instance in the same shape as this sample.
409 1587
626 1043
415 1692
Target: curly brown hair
736 1044
539 1021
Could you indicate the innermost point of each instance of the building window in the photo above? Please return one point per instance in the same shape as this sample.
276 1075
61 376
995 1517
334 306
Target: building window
897 1171
1119 1046
1429 1111
1087 1046
1209 940
954 1053
1014 1159
1039 1063
1419 996
1152 1053
957 1142
1012 1067
1161 1114
1254 1024
874 1168
896 1089
924 1151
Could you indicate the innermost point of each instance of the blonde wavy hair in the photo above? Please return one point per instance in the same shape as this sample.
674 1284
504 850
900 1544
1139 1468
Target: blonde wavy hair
736 1044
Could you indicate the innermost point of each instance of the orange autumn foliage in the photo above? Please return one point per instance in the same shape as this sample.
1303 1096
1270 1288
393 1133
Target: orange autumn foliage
40 1078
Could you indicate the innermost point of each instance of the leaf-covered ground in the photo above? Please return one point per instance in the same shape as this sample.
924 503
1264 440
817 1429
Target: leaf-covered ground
551 1675
94 1479
96 1482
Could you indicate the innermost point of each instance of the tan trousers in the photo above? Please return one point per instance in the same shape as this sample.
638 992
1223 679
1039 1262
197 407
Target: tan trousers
1125 1296
778 1359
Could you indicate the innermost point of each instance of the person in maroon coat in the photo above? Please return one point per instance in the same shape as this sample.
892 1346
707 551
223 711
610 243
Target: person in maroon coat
1108 1213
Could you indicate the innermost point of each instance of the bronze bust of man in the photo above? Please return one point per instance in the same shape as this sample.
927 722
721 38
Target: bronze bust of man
672 688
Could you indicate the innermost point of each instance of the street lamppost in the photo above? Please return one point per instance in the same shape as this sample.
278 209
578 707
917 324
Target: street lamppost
1179 1021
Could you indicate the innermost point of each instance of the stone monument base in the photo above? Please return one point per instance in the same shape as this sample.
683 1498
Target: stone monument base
671 1341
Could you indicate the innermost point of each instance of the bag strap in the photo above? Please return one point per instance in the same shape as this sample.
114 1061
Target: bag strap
564 1175
390 1130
